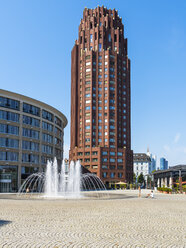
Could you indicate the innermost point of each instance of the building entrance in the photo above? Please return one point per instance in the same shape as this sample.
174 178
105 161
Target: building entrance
8 179
5 187
5 183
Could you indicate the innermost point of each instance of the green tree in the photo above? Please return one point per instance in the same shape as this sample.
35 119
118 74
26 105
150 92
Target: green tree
141 178
148 181
134 178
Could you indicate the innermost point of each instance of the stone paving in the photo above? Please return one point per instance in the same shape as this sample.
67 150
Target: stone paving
113 223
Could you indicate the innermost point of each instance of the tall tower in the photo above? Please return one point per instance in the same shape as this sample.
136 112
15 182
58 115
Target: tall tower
100 97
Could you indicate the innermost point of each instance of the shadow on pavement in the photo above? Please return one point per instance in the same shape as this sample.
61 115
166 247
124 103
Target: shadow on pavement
4 222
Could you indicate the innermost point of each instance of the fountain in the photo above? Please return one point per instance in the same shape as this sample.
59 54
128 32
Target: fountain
68 183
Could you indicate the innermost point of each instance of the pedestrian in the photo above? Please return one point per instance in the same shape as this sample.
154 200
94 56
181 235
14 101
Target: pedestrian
152 194
139 189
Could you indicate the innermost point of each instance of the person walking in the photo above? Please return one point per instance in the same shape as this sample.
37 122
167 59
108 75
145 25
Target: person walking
139 193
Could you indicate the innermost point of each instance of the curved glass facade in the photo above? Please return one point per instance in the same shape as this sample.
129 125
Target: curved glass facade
31 133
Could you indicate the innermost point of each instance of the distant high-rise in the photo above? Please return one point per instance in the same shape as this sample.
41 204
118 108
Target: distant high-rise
100 97
163 164
152 165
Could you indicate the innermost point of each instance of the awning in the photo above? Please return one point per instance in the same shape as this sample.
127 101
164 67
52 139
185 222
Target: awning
120 183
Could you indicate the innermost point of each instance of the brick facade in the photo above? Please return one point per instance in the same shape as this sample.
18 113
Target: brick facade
100 97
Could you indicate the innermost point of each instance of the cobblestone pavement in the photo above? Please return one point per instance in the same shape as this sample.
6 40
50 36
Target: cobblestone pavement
127 222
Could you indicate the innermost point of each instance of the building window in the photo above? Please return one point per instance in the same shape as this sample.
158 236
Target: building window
47 149
104 174
47 138
9 103
112 174
120 160
104 159
91 36
100 47
47 115
58 121
47 126
58 142
28 145
27 108
9 129
11 143
30 133
9 116
112 107
31 121
9 156
112 160
30 158
120 174
104 153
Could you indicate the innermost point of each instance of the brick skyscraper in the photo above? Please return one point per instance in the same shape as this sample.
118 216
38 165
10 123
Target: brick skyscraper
100 97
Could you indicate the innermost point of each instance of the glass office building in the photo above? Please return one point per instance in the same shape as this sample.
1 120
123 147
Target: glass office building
163 164
31 132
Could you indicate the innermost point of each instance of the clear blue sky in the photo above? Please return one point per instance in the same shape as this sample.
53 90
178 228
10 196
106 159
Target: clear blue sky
36 38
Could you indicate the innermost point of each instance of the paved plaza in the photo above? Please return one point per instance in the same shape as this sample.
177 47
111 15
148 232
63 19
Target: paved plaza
126 221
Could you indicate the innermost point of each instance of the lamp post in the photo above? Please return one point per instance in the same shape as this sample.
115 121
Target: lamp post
180 182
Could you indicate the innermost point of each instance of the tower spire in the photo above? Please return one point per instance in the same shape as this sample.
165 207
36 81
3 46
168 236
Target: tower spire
147 149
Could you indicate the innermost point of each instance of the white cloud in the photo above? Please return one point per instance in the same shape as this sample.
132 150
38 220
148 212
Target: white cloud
166 148
177 137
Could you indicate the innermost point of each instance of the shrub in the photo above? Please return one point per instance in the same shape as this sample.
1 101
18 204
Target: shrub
168 190
164 189
184 188
125 186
